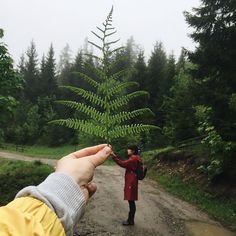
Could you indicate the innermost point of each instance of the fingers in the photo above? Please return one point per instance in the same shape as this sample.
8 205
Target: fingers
92 188
89 190
100 157
89 151
86 193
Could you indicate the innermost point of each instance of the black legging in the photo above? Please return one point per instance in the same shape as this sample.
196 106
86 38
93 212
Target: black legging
132 210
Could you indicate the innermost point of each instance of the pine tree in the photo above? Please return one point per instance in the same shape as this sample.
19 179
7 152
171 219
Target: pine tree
140 75
64 63
180 123
214 24
50 69
45 102
181 61
171 71
21 65
73 77
31 74
125 59
157 76
106 119
77 66
43 75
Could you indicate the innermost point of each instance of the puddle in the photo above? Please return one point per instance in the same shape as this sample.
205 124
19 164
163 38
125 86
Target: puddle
204 229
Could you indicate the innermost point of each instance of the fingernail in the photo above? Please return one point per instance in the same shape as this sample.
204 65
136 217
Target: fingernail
107 150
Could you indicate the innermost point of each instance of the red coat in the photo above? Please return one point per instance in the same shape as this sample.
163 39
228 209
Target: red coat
131 180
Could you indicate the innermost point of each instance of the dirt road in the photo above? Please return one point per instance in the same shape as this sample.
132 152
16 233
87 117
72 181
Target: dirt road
158 213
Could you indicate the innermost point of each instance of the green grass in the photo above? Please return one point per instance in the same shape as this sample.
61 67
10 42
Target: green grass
44 151
221 209
15 175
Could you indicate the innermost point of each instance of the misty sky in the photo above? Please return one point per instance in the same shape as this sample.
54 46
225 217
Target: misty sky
70 21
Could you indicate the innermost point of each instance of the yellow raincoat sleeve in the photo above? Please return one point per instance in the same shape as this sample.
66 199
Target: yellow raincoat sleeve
53 208
29 216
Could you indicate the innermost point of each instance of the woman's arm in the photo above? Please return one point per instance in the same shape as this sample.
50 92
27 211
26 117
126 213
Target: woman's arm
125 164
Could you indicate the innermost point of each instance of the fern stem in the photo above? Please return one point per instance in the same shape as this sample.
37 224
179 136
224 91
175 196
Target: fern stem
105 70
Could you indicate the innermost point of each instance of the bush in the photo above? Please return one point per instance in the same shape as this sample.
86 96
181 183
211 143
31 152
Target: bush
220 150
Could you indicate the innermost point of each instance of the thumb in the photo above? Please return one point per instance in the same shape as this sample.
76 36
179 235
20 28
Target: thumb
100 157
88 190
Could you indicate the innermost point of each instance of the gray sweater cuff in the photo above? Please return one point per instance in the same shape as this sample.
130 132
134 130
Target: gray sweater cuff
63 195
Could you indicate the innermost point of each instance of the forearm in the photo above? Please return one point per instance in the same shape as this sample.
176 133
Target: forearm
118 161
63 195
123 163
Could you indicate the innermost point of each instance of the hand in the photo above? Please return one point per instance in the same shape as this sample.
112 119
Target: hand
80 165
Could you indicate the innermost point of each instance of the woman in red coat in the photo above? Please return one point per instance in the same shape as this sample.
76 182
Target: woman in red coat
131 180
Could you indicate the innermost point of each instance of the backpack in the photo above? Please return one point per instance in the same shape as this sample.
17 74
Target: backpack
141 171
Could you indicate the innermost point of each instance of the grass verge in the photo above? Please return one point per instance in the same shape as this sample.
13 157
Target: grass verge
43 151
15 175
222 209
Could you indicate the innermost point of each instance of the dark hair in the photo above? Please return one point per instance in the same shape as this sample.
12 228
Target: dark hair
135 149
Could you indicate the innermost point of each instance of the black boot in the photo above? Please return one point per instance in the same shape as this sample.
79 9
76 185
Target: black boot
127 223
130 220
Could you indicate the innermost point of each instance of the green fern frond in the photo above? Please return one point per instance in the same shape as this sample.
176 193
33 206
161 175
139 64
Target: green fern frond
122 86
125 130
124 116
111 28
88 79
97 35
88 95
120 74
105 86
88 110
95 45
124 100
93 56
112 42
115 50
109 95
110 34
82 125
103 31
99 72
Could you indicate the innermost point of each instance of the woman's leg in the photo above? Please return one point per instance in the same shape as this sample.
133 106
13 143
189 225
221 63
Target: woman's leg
132 210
